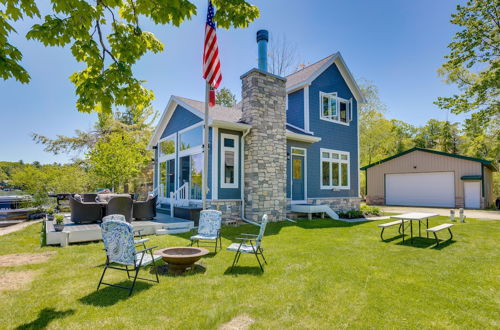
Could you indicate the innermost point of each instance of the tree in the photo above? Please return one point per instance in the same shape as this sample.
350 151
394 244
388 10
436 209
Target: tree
40 181
450 139
3 175
429 135
404 134
139 120
283 58
106 36
225 97
116 159
473 63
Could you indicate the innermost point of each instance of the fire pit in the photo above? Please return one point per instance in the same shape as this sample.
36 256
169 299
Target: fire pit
181 258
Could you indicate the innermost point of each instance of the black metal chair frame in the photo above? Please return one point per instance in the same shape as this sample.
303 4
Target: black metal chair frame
251 238
136 268
209 243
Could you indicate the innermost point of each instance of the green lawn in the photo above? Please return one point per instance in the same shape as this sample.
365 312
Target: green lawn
321 274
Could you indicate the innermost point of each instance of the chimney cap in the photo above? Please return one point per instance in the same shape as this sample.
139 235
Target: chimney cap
262 35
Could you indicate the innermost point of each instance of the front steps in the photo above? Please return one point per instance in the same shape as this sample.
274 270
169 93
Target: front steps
309 209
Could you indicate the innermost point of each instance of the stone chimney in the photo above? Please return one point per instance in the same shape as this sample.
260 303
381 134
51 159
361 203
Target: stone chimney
263 106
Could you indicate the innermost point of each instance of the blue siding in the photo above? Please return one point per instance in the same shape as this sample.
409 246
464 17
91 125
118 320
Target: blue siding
333 136
295 113
181 118
228 193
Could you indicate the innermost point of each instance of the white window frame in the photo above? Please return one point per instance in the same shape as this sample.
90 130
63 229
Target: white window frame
192 150
331 161
167 157
336 119
236 150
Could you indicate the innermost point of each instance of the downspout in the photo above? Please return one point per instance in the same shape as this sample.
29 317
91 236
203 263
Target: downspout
242 179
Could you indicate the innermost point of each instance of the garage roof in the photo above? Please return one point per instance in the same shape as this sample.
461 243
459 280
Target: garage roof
486 163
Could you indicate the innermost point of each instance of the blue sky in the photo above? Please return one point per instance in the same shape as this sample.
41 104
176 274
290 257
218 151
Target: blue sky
397 45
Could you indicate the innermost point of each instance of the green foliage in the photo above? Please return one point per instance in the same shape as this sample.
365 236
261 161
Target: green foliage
59 218
117 158
106 37
351 214
370 210
225 97
473 63
40 181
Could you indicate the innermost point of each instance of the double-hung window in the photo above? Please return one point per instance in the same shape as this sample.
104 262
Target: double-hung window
334 108
229 161
334 169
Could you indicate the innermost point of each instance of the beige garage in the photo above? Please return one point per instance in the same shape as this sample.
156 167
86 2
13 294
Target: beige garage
423 177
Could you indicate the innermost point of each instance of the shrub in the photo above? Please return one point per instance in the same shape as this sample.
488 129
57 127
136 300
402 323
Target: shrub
351 214
370 210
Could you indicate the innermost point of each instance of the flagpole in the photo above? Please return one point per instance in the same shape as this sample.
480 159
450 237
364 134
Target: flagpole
204 176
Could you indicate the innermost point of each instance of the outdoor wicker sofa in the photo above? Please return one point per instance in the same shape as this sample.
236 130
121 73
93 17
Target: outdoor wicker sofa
85 212
145 210
120 205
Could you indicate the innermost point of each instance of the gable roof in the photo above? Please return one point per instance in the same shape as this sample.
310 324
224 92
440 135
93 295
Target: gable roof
227 117
487 163
301 78
217 112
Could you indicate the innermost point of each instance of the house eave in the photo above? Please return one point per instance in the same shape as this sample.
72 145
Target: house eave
230 125
302 137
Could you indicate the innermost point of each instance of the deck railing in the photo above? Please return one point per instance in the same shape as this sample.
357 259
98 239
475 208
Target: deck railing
179 197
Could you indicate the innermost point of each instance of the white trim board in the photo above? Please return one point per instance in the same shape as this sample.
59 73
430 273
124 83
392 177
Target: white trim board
344 71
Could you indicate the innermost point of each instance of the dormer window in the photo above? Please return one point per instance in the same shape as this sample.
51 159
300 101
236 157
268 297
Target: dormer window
335 109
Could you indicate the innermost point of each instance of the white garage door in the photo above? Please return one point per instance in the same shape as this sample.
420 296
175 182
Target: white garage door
420 189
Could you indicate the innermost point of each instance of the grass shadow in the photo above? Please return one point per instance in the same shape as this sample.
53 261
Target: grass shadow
163 271
45 316
388 240
418 242
108 295
444 244
244 270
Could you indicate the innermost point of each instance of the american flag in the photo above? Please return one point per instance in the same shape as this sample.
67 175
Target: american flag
211 64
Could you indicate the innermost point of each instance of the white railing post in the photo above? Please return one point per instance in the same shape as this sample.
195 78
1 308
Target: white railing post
172 204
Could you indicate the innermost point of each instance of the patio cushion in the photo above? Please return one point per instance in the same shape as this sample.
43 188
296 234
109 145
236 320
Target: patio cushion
146 260
245 248
210 222
118 238
203 237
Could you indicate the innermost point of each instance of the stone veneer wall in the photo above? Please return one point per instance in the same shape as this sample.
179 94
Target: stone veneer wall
263 106
231 209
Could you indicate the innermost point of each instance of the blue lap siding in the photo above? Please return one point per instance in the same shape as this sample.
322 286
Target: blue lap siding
333 135
181 118
295 112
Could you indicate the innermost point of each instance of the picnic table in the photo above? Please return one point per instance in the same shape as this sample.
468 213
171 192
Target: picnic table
414 216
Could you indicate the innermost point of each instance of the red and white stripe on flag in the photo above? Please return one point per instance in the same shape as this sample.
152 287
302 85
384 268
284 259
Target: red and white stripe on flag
211 63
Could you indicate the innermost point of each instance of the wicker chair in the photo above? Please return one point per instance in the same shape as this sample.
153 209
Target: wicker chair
88 198
120 205
85 212
145 210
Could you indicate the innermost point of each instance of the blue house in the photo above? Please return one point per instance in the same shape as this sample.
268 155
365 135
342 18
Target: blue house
291 140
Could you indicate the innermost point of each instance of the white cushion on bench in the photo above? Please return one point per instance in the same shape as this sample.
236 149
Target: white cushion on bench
393 223
440 227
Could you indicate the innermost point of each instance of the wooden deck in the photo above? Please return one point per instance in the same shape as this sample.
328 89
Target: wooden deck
77 233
